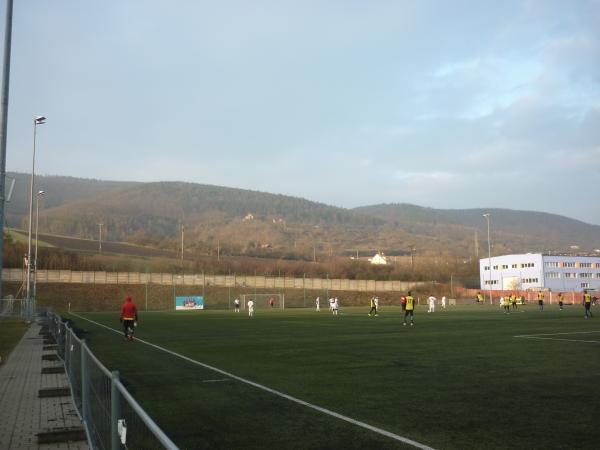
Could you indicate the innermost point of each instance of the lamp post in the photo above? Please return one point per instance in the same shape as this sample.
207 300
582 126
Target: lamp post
37 217
39 120
487 216
100 237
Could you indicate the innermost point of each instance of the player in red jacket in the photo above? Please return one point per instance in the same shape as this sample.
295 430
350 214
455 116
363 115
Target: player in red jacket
128 318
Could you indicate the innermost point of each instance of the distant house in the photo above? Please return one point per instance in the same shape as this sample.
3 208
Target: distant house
378 259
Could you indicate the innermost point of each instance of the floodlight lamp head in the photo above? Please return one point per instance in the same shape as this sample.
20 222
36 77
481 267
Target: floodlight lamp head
40 120
41 193
486 215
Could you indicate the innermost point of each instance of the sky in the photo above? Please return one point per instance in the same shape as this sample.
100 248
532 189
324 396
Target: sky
446 104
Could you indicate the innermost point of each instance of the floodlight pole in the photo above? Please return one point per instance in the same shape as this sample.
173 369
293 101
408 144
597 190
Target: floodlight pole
487 216
4 122
35 258
39 120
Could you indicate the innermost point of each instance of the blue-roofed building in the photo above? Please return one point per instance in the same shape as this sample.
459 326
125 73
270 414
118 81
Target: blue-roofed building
538 271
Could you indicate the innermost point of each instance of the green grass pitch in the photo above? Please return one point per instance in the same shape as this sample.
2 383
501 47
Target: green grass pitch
458 379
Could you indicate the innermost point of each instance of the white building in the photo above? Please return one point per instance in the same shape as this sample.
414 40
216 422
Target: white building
539 271
378 259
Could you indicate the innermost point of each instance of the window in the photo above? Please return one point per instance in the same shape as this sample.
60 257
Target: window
523 265
585 265
495 267
551 264
486 267
597 265
585 275
514 266
552 274
488 282
504 266
569 264
530 280
570 275
585 285
598 275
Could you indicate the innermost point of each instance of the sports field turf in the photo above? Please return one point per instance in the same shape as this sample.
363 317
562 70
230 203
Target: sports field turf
458 379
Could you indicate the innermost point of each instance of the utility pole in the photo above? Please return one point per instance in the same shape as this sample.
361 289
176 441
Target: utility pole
218 250
314 254
412 257
182 230
100 237
477 245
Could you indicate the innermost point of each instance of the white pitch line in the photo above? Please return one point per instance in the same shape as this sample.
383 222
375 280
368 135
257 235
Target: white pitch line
557 334
275 392
216 381
557 339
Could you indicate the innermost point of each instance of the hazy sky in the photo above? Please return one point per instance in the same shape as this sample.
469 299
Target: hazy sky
446 104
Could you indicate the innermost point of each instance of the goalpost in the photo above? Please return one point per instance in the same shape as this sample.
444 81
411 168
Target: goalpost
264 301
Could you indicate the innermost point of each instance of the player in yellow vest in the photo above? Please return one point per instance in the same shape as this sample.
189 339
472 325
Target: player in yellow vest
374 302
513 301
541 300
410 309
560 300
479 297
587 302
506 304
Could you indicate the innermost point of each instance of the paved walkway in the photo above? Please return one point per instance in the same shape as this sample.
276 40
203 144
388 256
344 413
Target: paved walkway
22 413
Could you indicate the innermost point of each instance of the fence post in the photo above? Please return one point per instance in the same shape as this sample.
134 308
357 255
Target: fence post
84 381
115 411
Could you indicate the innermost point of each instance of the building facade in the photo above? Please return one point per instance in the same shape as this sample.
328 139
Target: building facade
539 271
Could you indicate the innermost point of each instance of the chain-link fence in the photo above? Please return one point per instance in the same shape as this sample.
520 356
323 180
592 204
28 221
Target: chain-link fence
112 417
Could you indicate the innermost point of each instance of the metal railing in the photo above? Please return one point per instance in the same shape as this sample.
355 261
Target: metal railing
17 308
113 419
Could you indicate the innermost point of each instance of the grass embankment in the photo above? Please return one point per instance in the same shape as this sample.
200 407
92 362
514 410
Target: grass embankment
11 332
458 379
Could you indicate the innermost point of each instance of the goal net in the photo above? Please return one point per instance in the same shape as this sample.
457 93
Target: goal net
264 300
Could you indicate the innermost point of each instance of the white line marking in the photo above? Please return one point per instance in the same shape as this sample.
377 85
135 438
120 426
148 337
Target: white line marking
539 336
280 394
557 339
216 381
557 334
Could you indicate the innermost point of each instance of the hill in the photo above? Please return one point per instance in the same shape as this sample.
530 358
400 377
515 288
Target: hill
510 230
244 222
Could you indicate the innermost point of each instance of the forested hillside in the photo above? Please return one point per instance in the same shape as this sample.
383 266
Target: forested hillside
242 222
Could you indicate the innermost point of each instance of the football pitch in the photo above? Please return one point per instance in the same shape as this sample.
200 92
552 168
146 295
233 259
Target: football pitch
468 377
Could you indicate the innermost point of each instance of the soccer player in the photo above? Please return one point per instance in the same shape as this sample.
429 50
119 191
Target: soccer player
318 303
335 306
540 297
403 303
236 305
506 304
479 298
587 303
560 300
513 301
373 310
376 305
128 317
443 302
431 300
271 302
410 309
331 302
250 308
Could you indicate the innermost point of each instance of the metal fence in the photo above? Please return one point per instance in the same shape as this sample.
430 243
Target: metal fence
17 308
113 419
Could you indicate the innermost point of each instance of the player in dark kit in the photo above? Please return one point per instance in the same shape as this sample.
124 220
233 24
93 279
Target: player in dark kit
129 318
